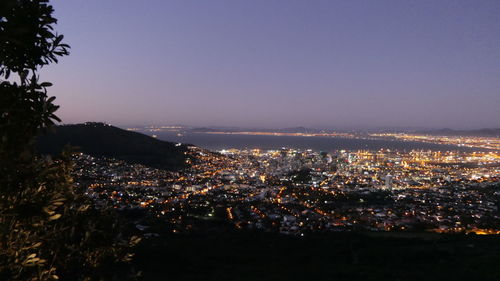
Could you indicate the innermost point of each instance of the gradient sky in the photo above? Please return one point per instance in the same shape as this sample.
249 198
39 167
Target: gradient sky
341 64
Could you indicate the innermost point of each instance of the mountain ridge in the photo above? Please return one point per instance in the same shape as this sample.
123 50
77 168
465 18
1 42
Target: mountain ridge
103 140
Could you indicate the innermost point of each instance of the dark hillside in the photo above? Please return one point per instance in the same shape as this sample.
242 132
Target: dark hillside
249 256
101 140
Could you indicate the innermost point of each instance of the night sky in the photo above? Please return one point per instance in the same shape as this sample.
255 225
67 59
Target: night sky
331 64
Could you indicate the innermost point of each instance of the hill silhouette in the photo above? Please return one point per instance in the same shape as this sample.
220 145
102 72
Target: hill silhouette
102 140
486 132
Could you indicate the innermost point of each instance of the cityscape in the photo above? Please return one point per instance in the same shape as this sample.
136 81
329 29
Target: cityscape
296 192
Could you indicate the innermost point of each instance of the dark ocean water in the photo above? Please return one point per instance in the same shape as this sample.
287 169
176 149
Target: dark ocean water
219 142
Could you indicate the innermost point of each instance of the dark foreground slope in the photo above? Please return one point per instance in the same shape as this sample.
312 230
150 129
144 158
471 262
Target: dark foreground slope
101 140
251 256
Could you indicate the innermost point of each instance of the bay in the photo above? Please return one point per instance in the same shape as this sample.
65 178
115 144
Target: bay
217 142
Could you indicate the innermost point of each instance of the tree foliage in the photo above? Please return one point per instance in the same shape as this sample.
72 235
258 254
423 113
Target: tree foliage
27 41
47 230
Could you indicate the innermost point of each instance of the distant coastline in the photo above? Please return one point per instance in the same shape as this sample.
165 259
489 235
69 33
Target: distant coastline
218 141
216 138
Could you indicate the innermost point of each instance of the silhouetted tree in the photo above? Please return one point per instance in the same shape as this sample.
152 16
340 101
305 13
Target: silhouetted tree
47 231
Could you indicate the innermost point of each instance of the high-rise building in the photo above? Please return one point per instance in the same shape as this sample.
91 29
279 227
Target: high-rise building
388 181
